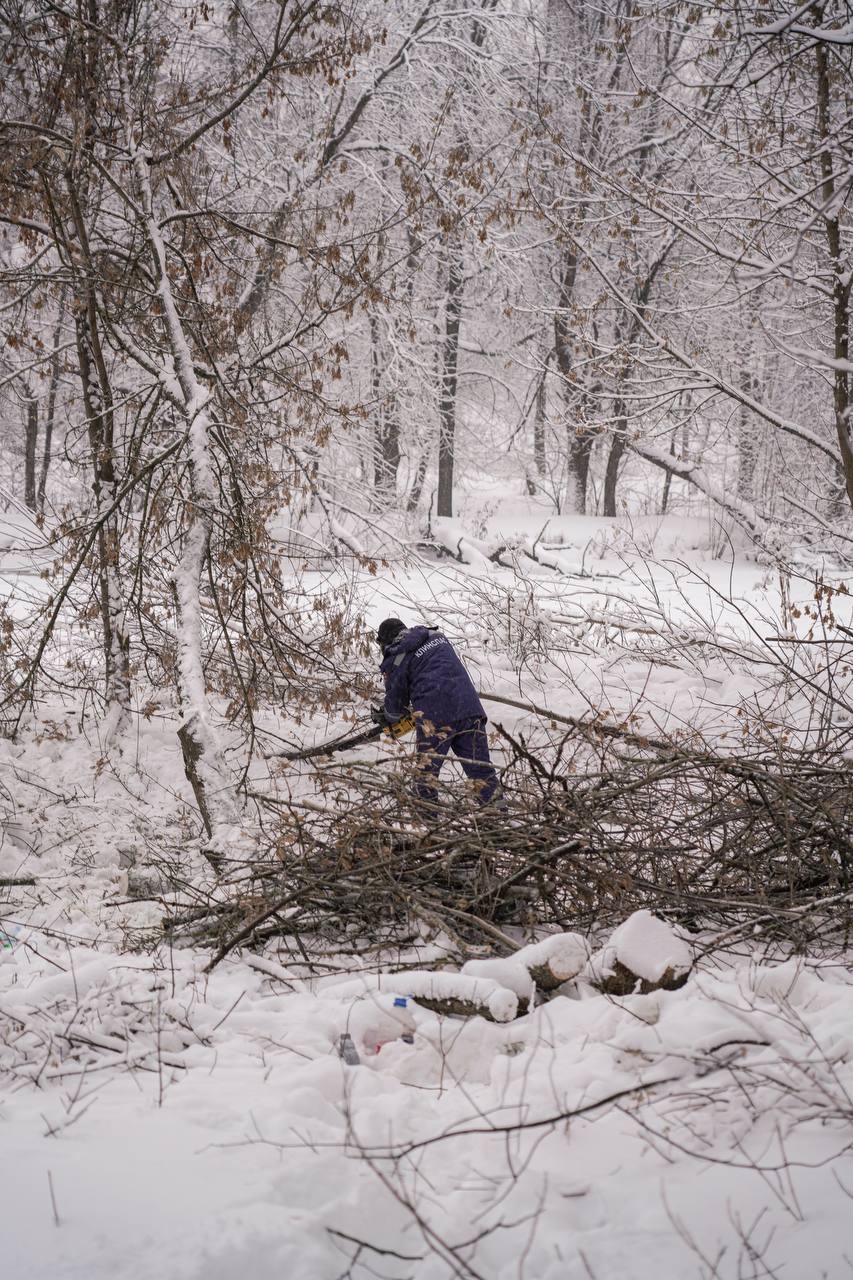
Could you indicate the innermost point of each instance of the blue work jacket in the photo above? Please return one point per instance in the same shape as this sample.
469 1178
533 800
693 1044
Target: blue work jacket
423 674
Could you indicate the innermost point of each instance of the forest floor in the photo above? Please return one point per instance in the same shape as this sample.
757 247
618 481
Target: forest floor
162 1120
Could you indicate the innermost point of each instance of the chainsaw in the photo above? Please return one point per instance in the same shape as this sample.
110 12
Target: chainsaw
396 730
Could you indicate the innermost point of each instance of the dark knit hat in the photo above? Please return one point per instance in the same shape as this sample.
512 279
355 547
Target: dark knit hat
388 632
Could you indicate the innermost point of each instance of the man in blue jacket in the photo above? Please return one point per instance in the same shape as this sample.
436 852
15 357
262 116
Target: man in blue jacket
424 677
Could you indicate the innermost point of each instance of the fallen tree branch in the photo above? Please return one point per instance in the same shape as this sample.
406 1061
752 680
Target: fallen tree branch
595 727
248 929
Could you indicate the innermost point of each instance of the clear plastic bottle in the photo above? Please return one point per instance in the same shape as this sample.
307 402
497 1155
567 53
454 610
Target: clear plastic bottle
378 1019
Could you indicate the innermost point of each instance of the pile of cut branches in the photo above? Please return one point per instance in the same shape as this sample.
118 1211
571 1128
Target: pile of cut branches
761 842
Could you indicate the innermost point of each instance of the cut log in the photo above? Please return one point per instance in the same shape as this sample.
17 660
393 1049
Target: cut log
554 960
644 954
448 1006
458 994
620 981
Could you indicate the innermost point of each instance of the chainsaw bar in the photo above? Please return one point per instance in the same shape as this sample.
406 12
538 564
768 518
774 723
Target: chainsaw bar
375 731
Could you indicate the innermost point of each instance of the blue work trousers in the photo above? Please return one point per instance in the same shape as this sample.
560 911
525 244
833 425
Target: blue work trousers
468 740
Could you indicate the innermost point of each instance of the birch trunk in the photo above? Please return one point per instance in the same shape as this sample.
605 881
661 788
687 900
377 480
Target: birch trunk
204 759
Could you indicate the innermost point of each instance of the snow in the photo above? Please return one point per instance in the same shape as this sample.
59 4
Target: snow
24 548
378 1019
263 1143
199 1125
464 988
646 946
451 535
509 973
564 954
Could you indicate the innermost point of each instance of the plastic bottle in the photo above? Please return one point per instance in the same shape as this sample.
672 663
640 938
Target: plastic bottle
402 1002
378 1019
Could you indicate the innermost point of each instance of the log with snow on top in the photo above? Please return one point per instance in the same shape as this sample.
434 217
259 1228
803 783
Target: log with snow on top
543 966
742 512
644 954
506 972
450 537
478 554
460 994
495 988
554 960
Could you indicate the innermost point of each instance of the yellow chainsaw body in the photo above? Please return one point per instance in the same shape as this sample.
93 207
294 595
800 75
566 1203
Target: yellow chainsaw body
400 727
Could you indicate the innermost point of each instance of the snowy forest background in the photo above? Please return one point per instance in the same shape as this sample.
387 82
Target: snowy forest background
529 319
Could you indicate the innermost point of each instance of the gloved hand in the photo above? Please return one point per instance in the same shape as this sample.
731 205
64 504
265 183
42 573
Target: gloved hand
378 716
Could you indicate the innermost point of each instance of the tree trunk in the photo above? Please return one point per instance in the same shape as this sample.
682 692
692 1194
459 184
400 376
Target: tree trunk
747 445
580 448
390 454
203 755
95 382
841 279
614 458
51 407
579 439
417 484
30 446
667 479
98 406
540 419
386 442
97 402
627 330
449 380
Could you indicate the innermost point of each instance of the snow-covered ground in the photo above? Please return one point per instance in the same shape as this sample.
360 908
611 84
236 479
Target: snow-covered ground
167 1123
160 1120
